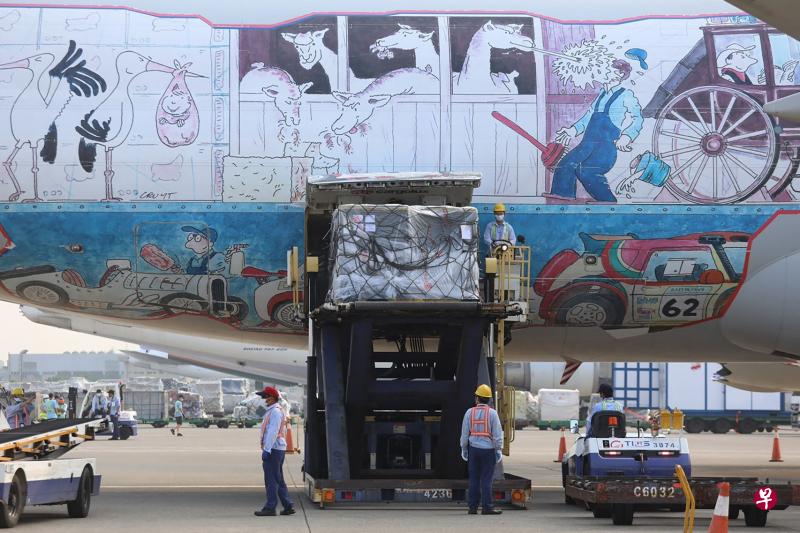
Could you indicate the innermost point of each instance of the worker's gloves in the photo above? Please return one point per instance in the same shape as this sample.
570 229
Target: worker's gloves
498 456
464 454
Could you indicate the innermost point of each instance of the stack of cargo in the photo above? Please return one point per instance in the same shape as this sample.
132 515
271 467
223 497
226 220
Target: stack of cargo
211 392
234 390
557 407
400 252
148 404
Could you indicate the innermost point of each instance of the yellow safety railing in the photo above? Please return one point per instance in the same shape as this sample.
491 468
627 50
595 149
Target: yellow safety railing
513 274
688 514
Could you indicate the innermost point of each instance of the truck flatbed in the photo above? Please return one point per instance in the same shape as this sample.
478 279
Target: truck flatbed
619 497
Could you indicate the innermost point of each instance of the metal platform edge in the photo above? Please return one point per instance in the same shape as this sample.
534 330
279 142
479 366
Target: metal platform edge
513 490
51 442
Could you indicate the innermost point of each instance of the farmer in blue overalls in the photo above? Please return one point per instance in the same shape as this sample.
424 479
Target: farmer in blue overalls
206 259
604 132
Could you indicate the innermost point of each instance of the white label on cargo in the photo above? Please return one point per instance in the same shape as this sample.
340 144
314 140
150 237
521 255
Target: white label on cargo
466 232
369 228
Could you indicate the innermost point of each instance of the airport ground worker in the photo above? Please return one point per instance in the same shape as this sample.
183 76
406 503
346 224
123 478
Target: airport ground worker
272 442
178 416
50 407
99 405
61 408
18 412
607 403
114 407
499 229
481 442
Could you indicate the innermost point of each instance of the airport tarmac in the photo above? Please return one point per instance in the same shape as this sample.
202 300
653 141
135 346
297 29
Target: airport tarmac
211 480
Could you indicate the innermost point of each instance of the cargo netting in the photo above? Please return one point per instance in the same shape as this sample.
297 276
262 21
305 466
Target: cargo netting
399 252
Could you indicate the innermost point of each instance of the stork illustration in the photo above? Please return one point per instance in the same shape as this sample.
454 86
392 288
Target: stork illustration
109 124
40 104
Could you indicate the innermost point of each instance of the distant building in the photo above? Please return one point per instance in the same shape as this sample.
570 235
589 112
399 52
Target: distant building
56 366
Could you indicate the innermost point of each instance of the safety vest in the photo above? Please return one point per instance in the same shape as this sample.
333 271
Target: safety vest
505 234
281 430
479 425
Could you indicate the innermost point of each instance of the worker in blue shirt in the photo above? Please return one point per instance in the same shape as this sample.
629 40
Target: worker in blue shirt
606 403
114 408
99 405
499 229
178 416
272 442
481 442
50 406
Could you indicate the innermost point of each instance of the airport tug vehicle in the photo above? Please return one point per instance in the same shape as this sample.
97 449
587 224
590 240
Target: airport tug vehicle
32 472
401 332
615 472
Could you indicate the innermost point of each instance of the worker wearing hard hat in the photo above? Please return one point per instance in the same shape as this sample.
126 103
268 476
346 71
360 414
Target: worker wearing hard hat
18 412
273 452
481 442
498 229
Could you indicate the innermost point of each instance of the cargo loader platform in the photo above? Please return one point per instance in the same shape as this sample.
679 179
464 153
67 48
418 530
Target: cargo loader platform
399 338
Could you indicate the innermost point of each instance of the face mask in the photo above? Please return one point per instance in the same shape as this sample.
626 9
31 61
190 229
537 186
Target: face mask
499 218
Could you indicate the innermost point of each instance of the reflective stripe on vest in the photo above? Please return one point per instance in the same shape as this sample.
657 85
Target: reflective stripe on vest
505 233
479 427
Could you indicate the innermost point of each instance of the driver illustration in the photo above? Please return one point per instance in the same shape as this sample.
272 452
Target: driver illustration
499 229
734 61
206 260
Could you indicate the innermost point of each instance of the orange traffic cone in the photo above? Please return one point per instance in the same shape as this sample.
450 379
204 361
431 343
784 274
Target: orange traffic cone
719 522
562 447
776 449
289 440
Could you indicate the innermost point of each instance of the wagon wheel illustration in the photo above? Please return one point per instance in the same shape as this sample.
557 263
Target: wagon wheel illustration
720 144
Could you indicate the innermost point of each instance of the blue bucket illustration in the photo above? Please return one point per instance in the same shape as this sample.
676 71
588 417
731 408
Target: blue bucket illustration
654 170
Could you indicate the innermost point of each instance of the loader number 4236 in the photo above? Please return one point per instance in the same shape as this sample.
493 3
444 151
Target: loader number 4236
673 308
652 491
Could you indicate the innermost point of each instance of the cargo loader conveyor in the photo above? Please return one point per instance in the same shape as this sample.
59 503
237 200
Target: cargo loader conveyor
31 472
400 336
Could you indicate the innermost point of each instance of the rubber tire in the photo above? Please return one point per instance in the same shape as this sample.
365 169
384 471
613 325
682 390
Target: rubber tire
223 424
695 425
720 426
615 312
733 512
159 424
747 426
768 429
240 425
622 514
754 517
9 516
602 510
125 432
79 507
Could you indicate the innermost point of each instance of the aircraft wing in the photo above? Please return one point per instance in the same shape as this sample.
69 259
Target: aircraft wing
782 14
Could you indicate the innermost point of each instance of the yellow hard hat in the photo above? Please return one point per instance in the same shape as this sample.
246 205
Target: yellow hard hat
499 208
483 391
18 391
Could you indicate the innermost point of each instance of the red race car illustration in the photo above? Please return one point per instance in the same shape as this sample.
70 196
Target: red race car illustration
628 281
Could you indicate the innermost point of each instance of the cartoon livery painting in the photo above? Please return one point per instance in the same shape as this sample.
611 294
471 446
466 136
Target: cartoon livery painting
178 153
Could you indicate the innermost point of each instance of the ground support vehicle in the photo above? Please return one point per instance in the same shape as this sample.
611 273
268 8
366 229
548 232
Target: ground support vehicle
383 412
32 473
619 497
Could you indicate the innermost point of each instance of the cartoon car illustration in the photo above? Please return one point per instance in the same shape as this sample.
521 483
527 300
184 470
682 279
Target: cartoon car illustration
122 289
625 280
273 297
710 118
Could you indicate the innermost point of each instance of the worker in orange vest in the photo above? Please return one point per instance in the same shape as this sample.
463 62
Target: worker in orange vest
481 442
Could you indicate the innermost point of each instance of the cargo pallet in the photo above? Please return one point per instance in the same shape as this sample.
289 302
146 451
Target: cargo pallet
619 498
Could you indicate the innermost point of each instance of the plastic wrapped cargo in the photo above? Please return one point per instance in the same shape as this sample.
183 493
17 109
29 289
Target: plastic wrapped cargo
211 391
558 405
148 404
400 252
